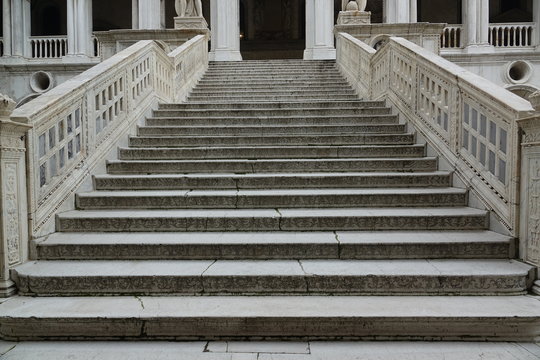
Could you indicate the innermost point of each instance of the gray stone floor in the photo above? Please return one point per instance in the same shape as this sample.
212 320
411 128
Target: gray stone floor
268 351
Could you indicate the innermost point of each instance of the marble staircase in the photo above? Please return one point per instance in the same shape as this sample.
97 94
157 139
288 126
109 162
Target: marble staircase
273 204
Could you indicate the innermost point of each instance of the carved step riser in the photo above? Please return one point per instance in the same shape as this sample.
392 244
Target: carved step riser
272 285
275 121
270 153
249 167
274 112
372 108
291 251
270 202
271 182
265 98
271 130
308 223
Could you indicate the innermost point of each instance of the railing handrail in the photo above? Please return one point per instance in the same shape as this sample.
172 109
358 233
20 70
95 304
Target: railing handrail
512 24
485 87
48 37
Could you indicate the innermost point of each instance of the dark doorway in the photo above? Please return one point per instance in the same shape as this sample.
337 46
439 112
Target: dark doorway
110 15
272 29
48 18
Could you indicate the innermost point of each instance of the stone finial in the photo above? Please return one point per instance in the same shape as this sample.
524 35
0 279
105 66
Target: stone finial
188 8
355 5
7 105
535 100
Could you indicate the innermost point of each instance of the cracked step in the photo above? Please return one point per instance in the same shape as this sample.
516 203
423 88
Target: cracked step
426 218
382 245
271 165
214 110
257 199
468 318
271 181
253 277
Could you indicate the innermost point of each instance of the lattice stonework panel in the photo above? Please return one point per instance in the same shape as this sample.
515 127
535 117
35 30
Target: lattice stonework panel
485 141
434 103
110 104
59 146
140 76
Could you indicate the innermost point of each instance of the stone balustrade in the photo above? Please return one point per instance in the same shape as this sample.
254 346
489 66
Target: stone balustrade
512 35
76 125
48 47
468 120
451 37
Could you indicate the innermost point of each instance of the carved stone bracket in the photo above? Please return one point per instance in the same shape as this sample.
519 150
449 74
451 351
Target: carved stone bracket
14 215
530 187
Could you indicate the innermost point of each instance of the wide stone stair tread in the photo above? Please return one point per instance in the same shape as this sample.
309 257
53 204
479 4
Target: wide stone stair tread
271 198
362 277
270 180
330 219
270 105
277 245
272 317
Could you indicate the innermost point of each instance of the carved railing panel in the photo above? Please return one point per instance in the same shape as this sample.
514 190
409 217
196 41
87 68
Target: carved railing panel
48 47
467 119
451 37
511 35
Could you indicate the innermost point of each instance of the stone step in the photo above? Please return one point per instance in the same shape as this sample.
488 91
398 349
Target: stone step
305 92
274 120
283 140
239 76
265 277
269 130
271 105
205 89
213 110
247 166
272 181
382 245
227 99
453 218
267 152
294 72
276 84
271 199
481 318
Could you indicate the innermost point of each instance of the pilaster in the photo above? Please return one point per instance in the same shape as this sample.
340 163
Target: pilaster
400 11
319 30
79 29
16 17
225 24
476 26
13 219
149 15
536 19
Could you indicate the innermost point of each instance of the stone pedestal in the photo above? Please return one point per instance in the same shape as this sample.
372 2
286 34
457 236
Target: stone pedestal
190 23
225 22
319 30
13 218
354 18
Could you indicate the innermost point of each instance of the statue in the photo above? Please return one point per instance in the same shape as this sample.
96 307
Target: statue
354 5
189 8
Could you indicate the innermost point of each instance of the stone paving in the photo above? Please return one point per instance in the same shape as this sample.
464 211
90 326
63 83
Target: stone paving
268 351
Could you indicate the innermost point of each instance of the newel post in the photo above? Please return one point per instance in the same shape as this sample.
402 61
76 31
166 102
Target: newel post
530 187
13 205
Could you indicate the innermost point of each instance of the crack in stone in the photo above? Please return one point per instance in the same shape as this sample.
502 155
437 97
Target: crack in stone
202 275
140 301
306 274
279 218
336 237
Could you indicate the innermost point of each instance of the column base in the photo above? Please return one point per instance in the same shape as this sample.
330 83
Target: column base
190 23
326 53
225 55
479 49
7 288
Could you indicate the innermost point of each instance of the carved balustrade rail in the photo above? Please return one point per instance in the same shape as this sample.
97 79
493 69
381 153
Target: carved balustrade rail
512 35
75 125
451 37
48 47
470 121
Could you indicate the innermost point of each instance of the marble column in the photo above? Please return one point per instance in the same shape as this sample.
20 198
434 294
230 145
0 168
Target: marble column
319 30
150 14
536 19
400 11
79 29
476 26
225 24
16 17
